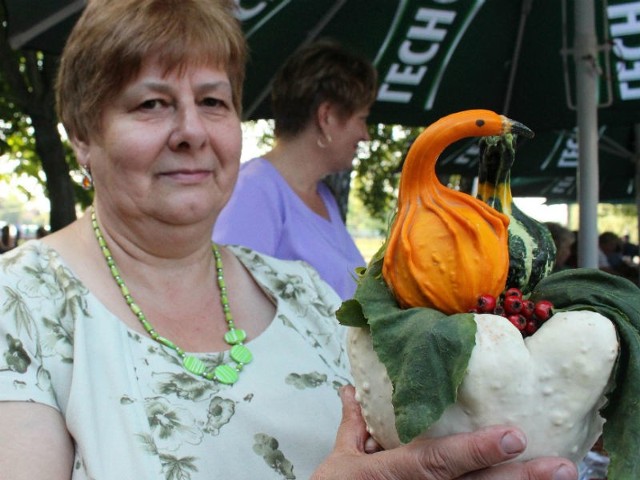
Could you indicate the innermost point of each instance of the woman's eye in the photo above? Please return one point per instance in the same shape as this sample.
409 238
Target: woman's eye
213 102
151 104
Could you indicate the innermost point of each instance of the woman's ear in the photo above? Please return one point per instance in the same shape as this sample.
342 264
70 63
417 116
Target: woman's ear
81 150
325 115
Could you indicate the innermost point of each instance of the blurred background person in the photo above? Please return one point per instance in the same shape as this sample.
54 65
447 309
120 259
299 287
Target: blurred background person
41 231
609 252
564 240
280 206
7 240
610 258
630 250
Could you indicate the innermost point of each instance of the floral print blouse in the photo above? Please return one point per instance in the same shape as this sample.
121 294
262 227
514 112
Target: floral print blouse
132 409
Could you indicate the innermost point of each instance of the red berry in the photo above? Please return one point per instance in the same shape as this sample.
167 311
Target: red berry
528 308
543 310
531 327
486 303
499 310
512 305
518 321
513 292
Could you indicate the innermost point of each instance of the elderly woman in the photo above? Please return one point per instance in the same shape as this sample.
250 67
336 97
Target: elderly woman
134 349
280 206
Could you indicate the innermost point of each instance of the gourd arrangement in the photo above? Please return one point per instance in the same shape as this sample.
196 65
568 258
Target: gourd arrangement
436 342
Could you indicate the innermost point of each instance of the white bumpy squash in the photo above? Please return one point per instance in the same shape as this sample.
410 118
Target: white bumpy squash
551 384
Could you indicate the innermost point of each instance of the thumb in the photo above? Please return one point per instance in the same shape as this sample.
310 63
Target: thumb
352 432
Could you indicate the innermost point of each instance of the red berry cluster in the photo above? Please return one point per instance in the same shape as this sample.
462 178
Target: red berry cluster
526 315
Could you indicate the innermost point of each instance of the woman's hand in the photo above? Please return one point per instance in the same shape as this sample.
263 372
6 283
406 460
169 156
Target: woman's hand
467 456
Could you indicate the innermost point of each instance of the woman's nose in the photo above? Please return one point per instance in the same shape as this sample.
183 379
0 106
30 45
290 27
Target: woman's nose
365 134
189 130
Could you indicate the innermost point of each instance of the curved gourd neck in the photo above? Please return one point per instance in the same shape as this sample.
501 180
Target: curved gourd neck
419 170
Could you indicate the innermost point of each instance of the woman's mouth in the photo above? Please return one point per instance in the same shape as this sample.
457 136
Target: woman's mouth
188 176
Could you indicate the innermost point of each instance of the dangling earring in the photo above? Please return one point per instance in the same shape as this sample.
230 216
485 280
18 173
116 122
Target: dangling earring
87 180
321 144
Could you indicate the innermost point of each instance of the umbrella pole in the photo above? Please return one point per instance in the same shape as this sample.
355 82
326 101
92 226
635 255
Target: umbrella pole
636 139
587 121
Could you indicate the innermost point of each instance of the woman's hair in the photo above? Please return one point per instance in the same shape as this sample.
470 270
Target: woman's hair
112 39
320 72
561 235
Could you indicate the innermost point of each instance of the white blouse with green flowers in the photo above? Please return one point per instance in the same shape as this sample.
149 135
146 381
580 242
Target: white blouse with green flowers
132 409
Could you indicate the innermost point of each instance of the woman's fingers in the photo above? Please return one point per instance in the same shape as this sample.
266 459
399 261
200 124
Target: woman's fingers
457 455
549 468
470 455
352 432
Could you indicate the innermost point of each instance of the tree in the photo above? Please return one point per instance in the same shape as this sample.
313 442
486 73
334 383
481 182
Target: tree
30 125
378 168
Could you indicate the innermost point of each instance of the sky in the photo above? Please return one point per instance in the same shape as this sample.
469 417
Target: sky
535 208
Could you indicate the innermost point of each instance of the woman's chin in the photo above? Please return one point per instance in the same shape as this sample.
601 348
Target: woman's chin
186 209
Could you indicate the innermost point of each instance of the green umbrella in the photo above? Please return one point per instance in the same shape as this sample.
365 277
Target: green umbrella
547 165
434 57
437 57
551 64
41 24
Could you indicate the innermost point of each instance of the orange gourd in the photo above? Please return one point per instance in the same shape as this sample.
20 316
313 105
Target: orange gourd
445 248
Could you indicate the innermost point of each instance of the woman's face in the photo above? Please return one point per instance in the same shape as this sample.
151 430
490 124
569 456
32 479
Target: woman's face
563 252
169 145
346 136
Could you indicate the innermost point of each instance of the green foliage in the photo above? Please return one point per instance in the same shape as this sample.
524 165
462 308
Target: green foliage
268 139
359 219
378 168
622 210
29 127
618 218
17 141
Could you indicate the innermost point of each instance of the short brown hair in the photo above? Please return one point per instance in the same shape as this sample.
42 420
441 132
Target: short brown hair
319 72
113 38
560 234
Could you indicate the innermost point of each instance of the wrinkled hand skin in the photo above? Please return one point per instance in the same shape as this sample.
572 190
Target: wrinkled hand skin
468 456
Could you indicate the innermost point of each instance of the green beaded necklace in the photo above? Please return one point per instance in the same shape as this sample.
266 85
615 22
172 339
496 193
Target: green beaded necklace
240 354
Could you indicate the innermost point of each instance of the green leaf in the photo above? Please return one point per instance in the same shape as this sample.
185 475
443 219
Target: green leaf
350 314
425 352
619 300
370 284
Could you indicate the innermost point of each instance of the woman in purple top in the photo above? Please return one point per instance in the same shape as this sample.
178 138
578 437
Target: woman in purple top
280 206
